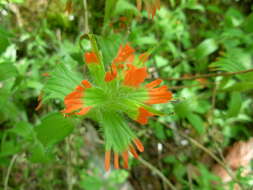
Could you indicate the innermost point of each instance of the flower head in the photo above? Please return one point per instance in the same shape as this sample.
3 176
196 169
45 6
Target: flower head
111 95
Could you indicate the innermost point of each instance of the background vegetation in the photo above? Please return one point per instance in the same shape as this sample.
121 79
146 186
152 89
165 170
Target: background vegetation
190 148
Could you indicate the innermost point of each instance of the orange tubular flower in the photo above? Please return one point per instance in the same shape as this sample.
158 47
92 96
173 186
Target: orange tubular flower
110 75
158 95
143 115
91 57
135 76
124 155
74 101
123 53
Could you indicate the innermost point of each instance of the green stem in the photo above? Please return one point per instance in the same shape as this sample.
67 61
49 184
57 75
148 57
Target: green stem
219 161
9 172
157 172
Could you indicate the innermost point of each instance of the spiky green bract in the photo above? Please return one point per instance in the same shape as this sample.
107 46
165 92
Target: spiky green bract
118 136
97 71
61 82
115 97
97 74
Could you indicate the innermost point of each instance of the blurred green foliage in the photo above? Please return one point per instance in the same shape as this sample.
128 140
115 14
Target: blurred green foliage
186 37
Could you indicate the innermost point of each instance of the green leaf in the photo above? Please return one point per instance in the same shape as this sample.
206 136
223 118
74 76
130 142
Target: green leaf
240 87
233 17
53 129
91 183
38 153
124 7
248 23
109 9
234 104
23 129
179 171
9 148
4 41
159 130
161 61
118 176
234 60
183 109
205 48
109 46
7 70
196 122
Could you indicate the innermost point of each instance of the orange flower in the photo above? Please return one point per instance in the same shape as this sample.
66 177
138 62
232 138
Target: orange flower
91 57
74 101
123 53
110 75
135 76
158 95
124 155
143 115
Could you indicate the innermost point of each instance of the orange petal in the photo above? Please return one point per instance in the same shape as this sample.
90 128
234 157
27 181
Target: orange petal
91 57
84 110
86 84
154 83
133 151
130 59
116 161
138 144
135 76
143 115
125 159
107 160
157 97
110 75
123 53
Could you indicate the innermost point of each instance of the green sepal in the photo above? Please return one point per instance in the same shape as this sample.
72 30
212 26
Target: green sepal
62 81
118 136
97 71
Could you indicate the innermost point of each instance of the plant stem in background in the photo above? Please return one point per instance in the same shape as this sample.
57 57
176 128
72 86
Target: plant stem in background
210 75
9 172
157 172
224 165
86 20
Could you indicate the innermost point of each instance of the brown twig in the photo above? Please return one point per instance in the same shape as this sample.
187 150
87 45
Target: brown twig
210 75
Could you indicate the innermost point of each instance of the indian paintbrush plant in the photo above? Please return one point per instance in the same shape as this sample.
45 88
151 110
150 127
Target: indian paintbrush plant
109 96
